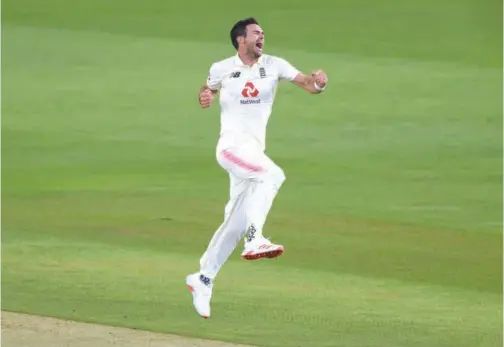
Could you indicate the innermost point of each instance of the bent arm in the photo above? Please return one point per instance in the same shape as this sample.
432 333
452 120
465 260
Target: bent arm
206 87
308 83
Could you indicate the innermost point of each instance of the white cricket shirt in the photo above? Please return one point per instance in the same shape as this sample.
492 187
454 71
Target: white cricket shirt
246 96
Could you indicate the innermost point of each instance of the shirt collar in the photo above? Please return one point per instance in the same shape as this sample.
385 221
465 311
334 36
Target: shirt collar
239 62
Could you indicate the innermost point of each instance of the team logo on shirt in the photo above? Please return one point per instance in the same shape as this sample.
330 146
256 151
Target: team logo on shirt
262 72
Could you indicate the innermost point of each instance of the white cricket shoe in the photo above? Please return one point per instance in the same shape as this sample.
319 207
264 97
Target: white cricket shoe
201 289
261 248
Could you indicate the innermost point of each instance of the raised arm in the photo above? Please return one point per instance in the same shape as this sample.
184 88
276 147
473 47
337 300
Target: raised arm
314 84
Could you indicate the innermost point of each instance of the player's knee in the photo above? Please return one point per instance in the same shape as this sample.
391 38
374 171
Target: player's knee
277 177
281 176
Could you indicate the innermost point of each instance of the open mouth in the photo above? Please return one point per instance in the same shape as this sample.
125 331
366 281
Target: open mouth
259 45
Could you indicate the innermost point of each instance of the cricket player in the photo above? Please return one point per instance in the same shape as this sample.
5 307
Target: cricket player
246 84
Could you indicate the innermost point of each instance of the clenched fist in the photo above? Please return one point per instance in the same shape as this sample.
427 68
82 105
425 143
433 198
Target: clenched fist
320 78
206 98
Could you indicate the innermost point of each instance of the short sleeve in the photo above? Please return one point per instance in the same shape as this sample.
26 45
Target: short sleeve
285 70
214 78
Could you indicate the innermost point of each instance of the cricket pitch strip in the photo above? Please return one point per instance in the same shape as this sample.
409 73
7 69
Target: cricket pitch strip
22 330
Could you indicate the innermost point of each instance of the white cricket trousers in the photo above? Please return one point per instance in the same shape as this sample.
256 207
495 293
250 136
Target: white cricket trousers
254 182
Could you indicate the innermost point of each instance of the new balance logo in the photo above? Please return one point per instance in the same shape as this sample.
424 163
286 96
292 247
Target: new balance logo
235 74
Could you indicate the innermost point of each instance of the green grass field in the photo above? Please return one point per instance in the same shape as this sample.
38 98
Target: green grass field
391 213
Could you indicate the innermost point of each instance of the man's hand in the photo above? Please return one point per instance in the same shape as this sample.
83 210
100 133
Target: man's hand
206 97
320 78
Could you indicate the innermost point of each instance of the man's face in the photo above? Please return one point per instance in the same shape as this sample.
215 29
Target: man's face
254 41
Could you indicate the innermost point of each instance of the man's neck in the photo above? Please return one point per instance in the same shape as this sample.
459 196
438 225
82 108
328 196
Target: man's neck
246 59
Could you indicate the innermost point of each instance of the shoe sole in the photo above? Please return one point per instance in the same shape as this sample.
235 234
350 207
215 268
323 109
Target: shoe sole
255 256
191 289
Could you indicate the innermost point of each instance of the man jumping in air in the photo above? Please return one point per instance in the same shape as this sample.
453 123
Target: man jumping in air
247 85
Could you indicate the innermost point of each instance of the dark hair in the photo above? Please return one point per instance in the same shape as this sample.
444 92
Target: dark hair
240 29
